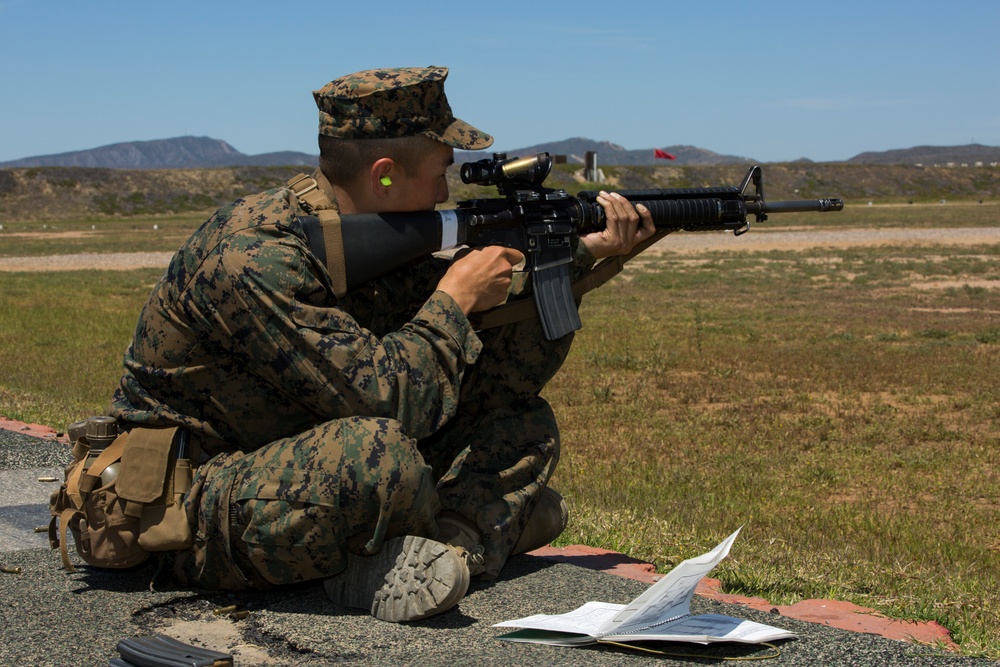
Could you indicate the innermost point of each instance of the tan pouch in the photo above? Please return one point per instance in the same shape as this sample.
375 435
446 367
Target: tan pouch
165 527
118 524
153 482
104 535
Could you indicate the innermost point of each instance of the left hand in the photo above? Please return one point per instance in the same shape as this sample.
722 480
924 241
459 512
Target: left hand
627 226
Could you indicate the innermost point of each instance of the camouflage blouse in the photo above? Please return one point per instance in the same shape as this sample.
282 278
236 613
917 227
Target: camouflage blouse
243 341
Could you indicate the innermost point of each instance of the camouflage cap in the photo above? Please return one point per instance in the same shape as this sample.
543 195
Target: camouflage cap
397 102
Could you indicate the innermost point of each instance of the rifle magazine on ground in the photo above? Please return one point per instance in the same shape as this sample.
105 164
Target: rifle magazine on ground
163 651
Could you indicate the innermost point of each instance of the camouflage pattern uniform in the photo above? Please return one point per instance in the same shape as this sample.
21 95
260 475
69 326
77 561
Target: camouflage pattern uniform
329 425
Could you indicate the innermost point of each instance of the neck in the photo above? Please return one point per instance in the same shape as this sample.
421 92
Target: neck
345 202
353 197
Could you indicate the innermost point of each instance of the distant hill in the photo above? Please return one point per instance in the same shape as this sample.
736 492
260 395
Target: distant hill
206 152
576 149
82 193
929 156
177 153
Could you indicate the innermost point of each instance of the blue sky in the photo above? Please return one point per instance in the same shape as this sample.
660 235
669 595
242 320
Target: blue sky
769 80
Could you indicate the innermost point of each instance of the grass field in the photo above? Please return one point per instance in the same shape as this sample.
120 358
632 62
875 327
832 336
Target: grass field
845 407
841 403
160 234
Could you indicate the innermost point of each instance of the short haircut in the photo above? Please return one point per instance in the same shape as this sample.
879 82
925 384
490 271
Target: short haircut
344 160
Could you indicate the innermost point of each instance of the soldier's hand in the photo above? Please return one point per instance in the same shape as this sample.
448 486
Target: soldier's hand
626 226
479 278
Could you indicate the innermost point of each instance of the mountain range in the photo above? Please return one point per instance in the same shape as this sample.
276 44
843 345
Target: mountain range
178 153
205 152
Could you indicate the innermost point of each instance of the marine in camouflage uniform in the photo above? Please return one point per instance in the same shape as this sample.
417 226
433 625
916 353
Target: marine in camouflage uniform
328 425
333 424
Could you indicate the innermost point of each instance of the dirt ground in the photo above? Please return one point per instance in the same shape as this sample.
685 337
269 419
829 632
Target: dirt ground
755 240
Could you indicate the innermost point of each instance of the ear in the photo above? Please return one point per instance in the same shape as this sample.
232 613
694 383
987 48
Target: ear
380 176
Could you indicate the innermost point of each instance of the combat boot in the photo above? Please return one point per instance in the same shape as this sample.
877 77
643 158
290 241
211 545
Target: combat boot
546 523
409 579
459 533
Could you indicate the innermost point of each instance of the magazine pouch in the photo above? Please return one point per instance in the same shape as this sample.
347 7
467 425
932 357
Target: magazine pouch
125 501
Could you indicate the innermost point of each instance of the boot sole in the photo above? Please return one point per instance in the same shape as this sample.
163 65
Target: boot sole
409 579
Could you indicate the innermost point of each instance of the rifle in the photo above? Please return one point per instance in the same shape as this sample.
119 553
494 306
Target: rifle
540 222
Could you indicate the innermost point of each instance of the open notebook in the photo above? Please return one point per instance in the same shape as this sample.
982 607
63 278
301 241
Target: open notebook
662 613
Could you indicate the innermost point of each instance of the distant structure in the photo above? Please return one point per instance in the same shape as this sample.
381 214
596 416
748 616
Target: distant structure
590 171
952 165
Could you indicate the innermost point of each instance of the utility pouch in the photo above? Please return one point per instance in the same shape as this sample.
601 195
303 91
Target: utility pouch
153 481
123 500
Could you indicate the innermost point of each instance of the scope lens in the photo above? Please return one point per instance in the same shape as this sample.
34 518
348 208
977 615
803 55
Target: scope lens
472 172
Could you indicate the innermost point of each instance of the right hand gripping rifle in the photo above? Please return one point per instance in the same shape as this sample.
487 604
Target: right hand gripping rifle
540 222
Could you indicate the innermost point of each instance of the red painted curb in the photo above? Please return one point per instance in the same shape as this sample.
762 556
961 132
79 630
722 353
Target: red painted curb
835 613
35 430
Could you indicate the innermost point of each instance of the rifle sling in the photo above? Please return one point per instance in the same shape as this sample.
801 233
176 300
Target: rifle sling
329 247
310 193
333 240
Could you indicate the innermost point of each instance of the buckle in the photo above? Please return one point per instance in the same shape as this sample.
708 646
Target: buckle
298 193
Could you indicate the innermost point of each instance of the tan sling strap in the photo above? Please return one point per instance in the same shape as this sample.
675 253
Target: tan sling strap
333 240
90 478
524 309
311 193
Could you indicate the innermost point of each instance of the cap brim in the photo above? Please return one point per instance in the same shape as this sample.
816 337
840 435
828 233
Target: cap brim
460 134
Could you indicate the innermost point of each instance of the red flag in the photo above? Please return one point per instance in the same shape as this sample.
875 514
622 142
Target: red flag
657 153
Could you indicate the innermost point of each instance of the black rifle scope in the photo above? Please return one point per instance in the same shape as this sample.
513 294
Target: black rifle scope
531 170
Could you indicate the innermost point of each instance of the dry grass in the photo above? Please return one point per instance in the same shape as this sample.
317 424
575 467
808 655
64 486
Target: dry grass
62 338
830 400
33 239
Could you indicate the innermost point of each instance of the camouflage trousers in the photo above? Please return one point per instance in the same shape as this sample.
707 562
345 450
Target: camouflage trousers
292 510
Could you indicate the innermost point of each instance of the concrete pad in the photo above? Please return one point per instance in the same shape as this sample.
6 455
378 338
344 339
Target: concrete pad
17 527
50 617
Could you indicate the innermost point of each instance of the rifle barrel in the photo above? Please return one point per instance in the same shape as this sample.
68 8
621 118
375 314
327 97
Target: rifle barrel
797 206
